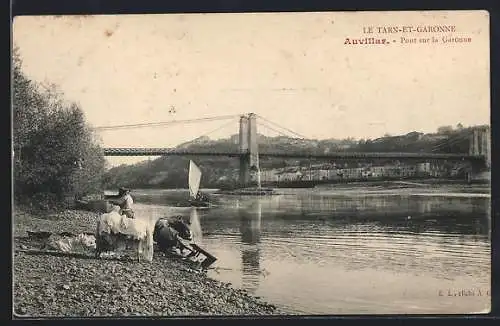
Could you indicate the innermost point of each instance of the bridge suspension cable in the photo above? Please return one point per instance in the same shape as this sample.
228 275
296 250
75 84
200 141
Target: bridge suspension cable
453 142
450 141
280 133
266 140
281 127
271 128
230 123
165 123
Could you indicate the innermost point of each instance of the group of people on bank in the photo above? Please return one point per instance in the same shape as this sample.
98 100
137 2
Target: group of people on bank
126 202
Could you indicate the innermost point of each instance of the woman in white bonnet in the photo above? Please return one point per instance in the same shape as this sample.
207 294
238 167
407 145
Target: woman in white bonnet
125 202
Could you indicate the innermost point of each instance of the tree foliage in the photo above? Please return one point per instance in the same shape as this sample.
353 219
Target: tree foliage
54 152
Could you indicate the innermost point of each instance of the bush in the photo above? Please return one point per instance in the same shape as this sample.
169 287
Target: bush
54 152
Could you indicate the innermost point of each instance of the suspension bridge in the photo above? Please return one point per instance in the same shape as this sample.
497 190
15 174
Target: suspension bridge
247 150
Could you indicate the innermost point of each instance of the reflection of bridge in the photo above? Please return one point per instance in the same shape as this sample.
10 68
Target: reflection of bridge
250 229
479 155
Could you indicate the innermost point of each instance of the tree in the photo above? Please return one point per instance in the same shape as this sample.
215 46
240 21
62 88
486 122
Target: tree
444 130
54 151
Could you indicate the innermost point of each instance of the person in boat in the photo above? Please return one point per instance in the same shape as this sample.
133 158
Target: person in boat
201 197
125 202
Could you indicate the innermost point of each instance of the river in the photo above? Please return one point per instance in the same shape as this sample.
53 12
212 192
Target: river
349 250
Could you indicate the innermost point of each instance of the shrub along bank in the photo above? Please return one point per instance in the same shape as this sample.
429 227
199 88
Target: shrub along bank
55 153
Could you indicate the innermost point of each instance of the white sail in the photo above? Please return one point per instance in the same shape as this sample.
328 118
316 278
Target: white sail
194 179
195 226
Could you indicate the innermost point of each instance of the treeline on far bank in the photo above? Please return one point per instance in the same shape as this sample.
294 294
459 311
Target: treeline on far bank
55 153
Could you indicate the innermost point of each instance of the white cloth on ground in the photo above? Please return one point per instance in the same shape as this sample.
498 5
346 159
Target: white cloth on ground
81 242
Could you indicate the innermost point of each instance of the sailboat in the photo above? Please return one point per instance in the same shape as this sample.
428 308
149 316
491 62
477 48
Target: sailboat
195 197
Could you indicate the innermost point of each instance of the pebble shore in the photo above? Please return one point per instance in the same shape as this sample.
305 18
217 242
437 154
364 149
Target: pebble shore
72 286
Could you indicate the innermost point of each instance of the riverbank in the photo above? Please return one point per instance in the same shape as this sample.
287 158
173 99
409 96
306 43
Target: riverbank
68 286
374 181
430 186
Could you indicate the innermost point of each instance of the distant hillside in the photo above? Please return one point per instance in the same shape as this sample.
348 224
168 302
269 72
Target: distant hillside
172 171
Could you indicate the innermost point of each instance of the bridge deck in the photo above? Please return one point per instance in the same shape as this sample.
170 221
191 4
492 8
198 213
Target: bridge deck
336 155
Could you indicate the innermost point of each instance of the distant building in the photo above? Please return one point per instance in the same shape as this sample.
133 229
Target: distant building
406 171
288 174
322 172
378 171
333 174
424 169
269 175
438 170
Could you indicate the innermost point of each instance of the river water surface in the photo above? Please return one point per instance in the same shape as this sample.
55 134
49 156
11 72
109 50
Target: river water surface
348 251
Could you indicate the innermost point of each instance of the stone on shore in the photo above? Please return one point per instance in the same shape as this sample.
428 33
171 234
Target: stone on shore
55 286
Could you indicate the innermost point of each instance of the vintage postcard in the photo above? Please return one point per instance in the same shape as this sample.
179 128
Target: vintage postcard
251 164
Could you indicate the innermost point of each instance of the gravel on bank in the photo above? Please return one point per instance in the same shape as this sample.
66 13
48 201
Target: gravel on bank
80 286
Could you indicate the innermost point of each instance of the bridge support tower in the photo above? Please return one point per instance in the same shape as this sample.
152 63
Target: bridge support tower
249 160
480 145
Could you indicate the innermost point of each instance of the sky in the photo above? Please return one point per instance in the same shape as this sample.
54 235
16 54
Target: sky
291 68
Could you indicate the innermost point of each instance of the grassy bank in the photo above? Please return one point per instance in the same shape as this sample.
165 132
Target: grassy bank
68 286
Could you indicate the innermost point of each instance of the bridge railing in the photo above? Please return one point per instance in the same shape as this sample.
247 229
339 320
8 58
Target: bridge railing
299 154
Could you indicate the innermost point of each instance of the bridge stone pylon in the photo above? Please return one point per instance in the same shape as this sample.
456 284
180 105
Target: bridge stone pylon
249 148
480 144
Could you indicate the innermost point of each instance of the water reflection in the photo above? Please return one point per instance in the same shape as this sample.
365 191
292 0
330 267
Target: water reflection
380 204
250 227
403 213
195 226
366 253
